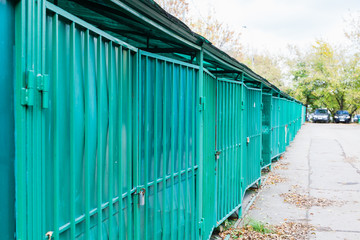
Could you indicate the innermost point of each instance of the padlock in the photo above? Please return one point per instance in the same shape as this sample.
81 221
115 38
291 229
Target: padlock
142 197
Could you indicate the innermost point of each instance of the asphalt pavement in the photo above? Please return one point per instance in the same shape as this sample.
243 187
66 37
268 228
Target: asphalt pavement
322 164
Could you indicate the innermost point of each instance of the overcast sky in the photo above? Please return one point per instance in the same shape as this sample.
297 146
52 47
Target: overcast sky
273 24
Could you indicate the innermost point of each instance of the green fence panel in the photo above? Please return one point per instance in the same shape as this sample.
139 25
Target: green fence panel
303 114
275 127
266 129
90 143
168 162
209 186
252 133
289 120
282 126
228 145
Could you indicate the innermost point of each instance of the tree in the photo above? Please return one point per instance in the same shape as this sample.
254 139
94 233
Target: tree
218 33
177 8
352 32
326 77
267 66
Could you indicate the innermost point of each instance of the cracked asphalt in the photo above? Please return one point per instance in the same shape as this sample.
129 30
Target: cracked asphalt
322 163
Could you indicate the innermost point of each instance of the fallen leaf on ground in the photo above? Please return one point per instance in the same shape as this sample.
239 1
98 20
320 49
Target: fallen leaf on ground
306 201
281 166
274 178
285 231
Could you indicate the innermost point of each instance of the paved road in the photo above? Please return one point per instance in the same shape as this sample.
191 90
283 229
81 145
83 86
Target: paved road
323 162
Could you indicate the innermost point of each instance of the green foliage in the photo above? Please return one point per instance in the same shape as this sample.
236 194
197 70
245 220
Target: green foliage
258 226
326 77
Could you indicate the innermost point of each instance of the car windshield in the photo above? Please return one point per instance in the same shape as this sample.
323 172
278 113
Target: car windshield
320 111
342 112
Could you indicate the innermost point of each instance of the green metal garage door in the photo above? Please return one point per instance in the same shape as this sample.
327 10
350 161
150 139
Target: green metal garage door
168 165
96 168
275 129
228 145
266 129
252 134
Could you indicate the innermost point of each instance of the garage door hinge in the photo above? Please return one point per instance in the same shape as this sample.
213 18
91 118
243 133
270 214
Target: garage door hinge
27 92
43 87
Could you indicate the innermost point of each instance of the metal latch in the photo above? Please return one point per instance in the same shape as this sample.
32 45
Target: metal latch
49 235
141 192
217 155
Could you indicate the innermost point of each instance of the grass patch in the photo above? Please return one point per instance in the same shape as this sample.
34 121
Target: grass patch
258 226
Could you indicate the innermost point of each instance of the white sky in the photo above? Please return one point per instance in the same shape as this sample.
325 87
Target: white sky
273 24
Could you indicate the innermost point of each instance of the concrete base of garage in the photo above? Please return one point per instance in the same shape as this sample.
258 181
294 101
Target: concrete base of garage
322 162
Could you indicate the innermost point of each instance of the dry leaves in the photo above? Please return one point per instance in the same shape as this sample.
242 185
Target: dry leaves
285 231
281 166
274 178
305 201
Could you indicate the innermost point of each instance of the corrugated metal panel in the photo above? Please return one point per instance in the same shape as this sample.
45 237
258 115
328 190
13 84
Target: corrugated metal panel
168 162
209 186
266 129
275 129
282 126
252 129
228 167
90 144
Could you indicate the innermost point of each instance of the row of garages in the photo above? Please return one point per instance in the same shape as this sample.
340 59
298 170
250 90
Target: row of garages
118 122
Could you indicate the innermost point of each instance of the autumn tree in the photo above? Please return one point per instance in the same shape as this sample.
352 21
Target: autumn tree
267 66
177 8
218 33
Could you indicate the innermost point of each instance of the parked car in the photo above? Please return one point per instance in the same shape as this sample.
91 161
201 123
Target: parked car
356 118
342 116
321 115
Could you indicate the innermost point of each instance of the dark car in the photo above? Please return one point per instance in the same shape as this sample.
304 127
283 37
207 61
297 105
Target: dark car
321 115
342 116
